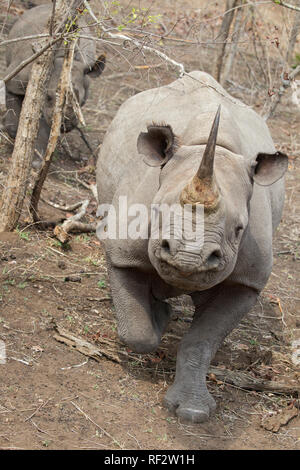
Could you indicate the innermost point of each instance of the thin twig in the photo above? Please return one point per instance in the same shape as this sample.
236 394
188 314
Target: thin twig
69 208
97 425
135 42
37 409
23 38
286 83
86 142
286 5
31 58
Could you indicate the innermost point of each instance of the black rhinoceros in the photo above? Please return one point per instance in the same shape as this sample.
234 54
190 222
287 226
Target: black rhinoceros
190 143
86 64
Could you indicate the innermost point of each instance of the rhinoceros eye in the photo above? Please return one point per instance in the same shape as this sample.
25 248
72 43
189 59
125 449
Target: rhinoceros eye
238 230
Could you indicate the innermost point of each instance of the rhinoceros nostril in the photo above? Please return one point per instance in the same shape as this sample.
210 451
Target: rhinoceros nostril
165 245
214 258
169 247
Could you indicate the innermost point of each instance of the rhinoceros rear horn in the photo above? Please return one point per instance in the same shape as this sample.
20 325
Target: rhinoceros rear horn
98 67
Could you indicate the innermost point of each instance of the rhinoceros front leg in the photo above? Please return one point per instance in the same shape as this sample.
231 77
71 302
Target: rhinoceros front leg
213 321
141 317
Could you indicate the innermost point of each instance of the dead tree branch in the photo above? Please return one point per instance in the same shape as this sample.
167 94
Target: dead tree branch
223 36
52 18
293 37
68 208
31 58
13 195
238 27
72 224
61 94
135 42
286 5
2 96
24 38
286 80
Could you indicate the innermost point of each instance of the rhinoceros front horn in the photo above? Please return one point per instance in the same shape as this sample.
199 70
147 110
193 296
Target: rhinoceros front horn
202 189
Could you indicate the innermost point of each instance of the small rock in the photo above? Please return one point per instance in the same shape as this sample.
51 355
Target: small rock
61 264
72 279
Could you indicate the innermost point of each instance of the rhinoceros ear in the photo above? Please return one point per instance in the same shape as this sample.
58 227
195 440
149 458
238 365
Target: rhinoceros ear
157 145
269 168
98 67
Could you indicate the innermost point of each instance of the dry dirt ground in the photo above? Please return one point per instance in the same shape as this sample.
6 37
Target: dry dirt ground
53 396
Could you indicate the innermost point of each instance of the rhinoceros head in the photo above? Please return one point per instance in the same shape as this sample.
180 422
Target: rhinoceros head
217 181
81 74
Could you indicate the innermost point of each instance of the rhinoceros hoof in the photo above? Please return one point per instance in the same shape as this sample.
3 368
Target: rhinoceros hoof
195 409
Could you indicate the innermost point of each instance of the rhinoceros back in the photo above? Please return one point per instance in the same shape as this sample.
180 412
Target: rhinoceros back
189 105
33 22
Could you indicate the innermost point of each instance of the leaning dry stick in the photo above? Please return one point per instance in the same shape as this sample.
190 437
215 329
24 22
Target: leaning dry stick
71 97
223 36
83 137
32 58
233 47
61 94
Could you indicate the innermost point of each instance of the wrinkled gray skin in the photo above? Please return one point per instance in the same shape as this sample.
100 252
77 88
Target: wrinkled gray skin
223 277
85 65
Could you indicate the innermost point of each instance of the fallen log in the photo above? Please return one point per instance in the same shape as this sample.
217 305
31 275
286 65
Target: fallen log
248 382
86 348
236 378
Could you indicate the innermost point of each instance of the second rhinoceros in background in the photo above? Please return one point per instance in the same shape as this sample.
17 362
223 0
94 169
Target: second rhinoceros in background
173 146
85 65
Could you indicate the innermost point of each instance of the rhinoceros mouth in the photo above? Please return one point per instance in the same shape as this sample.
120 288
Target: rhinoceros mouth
187 264
195 279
